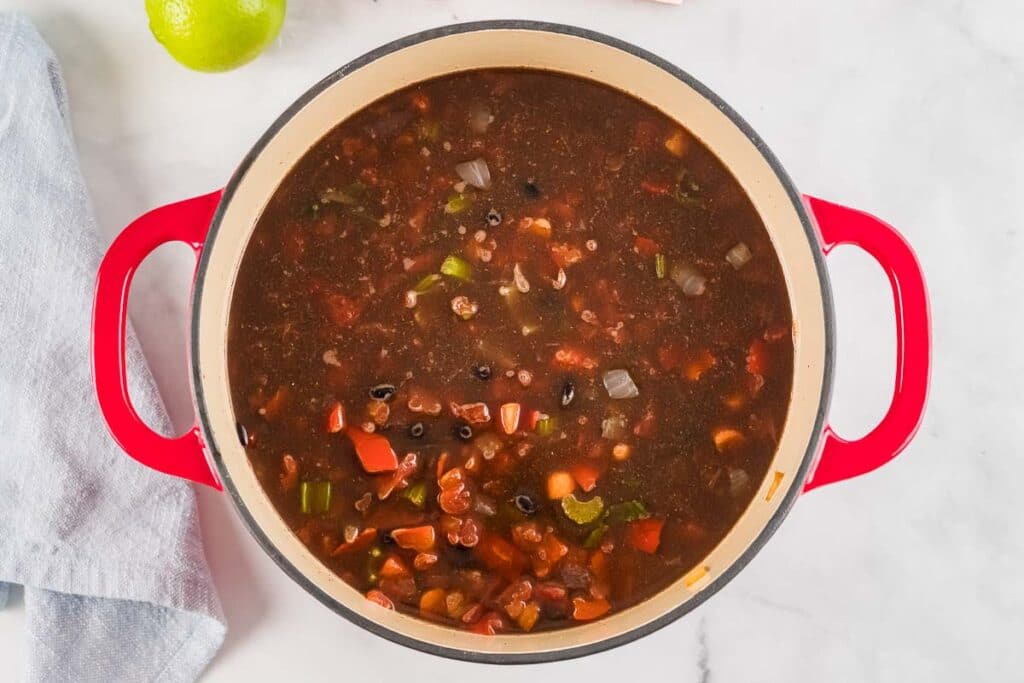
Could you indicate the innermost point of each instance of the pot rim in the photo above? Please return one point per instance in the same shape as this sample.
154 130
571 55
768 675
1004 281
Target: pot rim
624 637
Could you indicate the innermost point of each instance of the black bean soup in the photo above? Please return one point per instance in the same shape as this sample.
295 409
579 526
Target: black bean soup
510 350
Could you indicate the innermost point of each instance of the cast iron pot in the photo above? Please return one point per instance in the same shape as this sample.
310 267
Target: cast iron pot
803 230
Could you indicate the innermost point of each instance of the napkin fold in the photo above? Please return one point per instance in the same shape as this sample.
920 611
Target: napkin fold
116 584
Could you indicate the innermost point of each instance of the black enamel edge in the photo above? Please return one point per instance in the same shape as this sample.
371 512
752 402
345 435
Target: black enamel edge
552 655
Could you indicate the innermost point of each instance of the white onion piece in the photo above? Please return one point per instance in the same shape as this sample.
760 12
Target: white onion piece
739 256
475 173
619 384
738 481
614 427
689 280
522 284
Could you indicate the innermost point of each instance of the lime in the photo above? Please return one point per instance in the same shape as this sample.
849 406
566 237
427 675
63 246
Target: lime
215 35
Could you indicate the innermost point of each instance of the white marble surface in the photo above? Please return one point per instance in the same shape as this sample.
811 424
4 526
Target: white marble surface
909 108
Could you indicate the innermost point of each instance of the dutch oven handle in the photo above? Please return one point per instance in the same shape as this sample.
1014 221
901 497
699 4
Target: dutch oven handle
186 221
841 459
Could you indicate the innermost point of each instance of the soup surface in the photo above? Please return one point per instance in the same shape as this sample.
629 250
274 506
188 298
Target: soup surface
510 350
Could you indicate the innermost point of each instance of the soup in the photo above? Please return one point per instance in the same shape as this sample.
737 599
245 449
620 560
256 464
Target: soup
510 350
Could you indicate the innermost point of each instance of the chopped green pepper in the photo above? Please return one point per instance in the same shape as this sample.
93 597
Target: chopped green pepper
630 511
314 497
457 203
594 537
457 268
427 283
582 511
545 426
659 266
416 494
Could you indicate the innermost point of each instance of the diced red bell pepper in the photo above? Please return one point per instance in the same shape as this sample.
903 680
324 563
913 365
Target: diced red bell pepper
418 538
645 534
374 451
361 542
586 475
501 556
654 187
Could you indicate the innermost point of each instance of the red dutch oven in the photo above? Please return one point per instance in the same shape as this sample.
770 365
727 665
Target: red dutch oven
803 231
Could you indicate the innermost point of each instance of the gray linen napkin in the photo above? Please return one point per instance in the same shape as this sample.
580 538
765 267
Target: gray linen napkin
116 584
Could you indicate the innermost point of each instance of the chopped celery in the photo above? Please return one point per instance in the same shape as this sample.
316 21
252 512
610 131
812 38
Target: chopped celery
416 494
427 283
545 426
659 266
630 511
314 497
457 268
457 203
582 511
594 537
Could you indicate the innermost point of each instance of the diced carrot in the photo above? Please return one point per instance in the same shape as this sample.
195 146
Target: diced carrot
379 598
757 357
585 610
393 568
654 187
289 472
586 475
621 452
374 451
703 362
560 485
645 534
418 538
677 143
510 417
726 438
361 542
645 246
645 427
501 556
433 602
527 619
335 418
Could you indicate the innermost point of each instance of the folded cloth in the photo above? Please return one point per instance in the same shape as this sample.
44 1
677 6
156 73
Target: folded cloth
116 584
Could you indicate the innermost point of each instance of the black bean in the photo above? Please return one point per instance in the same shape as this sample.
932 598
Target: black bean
531 189
525 504
383 392
416 430
243 436
493 218
482 372
568 393
386 538
464 432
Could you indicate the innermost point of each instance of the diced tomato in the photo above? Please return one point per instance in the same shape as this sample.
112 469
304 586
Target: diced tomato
501 556
379 598
393 567
654 187
374 451
645 534
489 624
342 310
418 538
645 246
757 358
361 542
585 610
335 418
586 475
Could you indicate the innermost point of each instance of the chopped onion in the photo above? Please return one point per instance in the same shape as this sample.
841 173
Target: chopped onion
559 282
739 255
614 427
479 118
522 284
475 173
689 280
738 481
619 384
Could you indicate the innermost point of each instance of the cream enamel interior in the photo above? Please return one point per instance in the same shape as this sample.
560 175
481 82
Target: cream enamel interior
573 55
